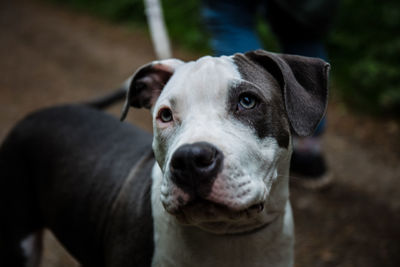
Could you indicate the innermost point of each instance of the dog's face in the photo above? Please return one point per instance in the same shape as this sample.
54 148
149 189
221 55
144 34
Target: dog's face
222 135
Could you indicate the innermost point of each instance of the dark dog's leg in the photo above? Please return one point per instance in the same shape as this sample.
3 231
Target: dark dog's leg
20 235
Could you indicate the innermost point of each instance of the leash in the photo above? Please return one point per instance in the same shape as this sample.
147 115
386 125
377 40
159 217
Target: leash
158 30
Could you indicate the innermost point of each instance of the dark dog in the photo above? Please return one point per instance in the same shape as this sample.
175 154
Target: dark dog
213 193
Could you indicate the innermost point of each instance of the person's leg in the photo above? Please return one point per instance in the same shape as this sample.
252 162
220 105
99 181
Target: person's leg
231 24
308 166
308 162
309 48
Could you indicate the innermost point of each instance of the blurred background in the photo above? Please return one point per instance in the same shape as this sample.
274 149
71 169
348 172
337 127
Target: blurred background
61 51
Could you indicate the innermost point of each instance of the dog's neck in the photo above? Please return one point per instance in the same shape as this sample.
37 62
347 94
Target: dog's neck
181 246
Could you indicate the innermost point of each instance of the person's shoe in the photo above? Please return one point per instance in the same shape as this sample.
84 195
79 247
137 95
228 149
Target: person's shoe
308 167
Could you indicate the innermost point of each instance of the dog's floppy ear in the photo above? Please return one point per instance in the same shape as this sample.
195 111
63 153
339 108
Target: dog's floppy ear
147 82
304 84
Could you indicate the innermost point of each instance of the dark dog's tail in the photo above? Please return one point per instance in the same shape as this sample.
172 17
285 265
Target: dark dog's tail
111 98
106 100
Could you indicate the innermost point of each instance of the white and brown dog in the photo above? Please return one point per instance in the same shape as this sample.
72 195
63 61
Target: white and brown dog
215 191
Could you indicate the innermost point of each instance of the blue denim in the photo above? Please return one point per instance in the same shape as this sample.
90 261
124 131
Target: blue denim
231 24
232 27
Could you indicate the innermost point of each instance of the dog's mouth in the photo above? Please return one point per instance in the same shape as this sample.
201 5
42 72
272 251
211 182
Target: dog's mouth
220 219
214 210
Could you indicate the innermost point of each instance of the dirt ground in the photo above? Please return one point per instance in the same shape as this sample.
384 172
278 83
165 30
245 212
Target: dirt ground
49 55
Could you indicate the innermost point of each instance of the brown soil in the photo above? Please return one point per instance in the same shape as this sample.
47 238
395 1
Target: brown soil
50 56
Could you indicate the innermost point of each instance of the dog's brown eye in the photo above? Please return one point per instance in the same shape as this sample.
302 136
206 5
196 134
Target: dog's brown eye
165 115
247 101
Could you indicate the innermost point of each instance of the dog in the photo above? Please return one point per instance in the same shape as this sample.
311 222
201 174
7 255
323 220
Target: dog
210 188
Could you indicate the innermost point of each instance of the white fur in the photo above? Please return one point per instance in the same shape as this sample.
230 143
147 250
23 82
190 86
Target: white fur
255 171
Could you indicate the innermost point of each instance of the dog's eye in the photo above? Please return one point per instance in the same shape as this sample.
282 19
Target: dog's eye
247 101
165 115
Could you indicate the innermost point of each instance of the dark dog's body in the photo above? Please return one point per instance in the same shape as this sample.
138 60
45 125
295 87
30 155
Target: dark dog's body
215 193
65 168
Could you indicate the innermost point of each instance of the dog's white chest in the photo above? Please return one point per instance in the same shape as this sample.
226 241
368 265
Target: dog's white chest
181 247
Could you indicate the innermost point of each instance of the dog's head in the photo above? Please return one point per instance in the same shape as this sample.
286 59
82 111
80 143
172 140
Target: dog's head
222 132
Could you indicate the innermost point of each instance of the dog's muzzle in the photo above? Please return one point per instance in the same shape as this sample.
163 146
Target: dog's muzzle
194 168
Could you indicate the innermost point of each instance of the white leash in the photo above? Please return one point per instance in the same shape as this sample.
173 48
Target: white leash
158 31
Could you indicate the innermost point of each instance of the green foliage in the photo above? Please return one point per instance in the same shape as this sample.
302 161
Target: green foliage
365 52
183 19
267 37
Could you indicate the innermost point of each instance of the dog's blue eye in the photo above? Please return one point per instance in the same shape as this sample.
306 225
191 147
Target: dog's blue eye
247 101
165 115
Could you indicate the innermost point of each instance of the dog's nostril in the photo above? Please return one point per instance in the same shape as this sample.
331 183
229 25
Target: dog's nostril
178 161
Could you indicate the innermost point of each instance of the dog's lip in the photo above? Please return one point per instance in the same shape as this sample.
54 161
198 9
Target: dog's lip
227 221
256 207
254 230
213 211
259 207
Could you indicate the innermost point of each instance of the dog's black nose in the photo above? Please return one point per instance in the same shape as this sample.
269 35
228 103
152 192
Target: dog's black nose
195 166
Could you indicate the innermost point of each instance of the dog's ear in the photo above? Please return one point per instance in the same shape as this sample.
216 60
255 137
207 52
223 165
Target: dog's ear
146 84
304 84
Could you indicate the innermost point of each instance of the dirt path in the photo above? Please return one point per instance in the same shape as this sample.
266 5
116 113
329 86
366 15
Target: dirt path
50 56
